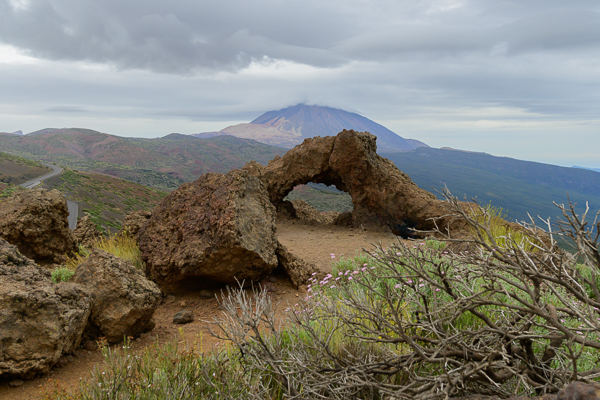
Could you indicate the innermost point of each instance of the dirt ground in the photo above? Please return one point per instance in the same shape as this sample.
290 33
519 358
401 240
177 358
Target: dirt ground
314 243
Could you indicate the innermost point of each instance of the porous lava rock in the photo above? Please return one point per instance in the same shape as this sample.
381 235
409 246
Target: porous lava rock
86 232
218 229
134 222
123 299
36 222
381 193
296 269
301 210
39 320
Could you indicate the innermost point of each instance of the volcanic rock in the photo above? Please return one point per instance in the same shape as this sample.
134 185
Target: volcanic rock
296 269
381 193
300 209
183 317
36 222
123 300
218 229
86 232
134 222
39 320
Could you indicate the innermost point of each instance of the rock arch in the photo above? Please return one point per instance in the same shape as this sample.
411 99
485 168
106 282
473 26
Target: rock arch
381 193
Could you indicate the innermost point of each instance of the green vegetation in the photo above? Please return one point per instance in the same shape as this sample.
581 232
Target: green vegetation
9 190
123 246
105 199
322 198
410 321
62 274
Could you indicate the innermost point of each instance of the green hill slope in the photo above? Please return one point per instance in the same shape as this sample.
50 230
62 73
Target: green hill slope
519 187
163 163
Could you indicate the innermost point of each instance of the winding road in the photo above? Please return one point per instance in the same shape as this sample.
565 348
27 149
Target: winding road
71 205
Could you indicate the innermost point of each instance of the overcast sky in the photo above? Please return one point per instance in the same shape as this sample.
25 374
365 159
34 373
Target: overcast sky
510 78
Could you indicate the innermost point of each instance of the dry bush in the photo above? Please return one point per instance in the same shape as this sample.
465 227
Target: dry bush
516 316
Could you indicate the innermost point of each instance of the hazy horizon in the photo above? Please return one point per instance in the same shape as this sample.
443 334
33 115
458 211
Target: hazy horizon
508 79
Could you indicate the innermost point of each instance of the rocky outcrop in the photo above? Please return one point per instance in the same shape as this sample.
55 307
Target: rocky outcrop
218 229
39 320
86 232
381 193
134 222
301 210
36 222
123 300
296 269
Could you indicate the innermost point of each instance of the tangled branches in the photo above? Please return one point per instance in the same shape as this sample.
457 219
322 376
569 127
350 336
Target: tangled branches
512 315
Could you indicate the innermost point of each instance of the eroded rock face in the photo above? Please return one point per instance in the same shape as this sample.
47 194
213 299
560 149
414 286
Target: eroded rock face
134 222
123 299
86 232
36 222
301 210
39 320
382 194
215 230
296 269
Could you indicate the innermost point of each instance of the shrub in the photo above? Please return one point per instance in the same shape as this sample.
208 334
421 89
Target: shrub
121 245
62 274
421 322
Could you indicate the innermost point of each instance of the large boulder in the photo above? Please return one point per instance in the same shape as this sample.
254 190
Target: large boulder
86 232
134 222
123 300
36 222
218 229
39 320
381 193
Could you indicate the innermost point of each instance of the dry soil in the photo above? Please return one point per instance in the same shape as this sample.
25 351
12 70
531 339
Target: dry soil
314 243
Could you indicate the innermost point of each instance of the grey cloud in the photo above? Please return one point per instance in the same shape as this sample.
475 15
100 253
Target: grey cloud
66 109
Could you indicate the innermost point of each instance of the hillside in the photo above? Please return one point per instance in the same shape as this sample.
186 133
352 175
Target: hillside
288 127
163 163
16 170
106 199
517 186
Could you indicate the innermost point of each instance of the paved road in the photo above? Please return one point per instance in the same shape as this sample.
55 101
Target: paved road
72 206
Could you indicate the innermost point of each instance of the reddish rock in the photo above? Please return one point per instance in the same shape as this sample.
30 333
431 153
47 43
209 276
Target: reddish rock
86 232
39 320
382 194
134 222
36 222
296 269
580 391
123 299
215 230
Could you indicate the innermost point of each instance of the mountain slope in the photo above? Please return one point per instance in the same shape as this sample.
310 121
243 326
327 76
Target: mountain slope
290 126
519 187
16 170
163 162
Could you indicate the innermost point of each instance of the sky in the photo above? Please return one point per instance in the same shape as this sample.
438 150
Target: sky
511 78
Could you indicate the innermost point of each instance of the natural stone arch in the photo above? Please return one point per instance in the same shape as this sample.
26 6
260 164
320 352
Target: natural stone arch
381 193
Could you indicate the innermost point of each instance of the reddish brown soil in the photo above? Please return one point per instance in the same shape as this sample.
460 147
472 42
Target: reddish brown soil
312 243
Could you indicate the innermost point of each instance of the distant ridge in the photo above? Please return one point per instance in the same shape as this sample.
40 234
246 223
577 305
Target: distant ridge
288 127
589 169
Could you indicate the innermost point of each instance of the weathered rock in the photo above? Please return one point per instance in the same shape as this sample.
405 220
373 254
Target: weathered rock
86 232
301 210
39 320
580 391
36 222
183 317
215 230
296 269
381 193
134 222
123 300
575 391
